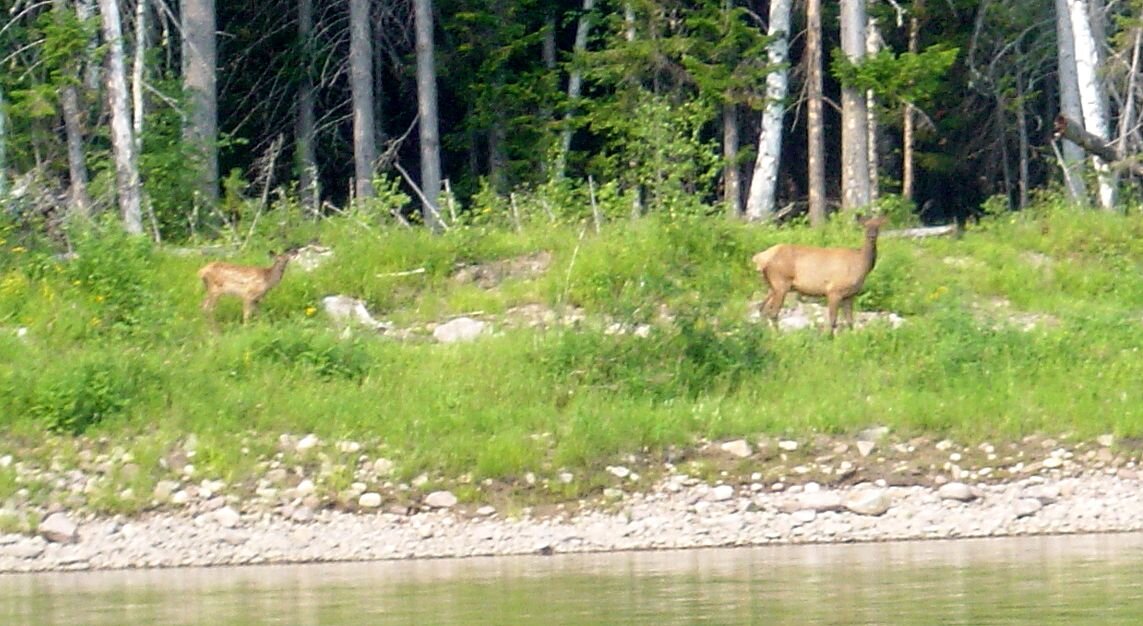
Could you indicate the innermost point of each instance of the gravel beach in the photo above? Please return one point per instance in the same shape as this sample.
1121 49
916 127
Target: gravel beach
1082 488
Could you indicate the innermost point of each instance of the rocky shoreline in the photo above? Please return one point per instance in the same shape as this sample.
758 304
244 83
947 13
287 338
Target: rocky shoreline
1061 494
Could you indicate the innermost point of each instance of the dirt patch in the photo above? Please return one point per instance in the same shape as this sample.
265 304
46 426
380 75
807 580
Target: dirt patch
491 274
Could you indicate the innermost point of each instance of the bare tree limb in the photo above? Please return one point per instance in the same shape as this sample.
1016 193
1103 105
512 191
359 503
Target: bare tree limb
1073 131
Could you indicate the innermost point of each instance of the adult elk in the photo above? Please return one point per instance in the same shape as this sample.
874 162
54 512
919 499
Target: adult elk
838 274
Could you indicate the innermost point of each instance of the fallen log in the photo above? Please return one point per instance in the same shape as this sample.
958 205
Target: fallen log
925 231
1074 132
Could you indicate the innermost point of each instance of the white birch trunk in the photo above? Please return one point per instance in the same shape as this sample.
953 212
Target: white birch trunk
873 43
575 86
854 122
1093 98
427 109
814 122
122 142
1069 103
760 203
732 191
137 72
361 85
200 58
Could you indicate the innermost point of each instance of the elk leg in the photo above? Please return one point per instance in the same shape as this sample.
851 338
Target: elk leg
832 300
847 305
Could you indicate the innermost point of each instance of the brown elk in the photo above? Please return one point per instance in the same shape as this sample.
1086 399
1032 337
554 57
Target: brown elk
838 274
246 282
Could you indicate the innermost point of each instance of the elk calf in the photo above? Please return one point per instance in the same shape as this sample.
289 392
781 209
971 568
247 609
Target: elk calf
838 274
244 281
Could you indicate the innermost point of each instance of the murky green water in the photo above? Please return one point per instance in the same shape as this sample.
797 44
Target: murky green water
1050 580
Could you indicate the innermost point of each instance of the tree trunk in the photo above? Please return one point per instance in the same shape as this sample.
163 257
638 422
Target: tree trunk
305 131
908 127
764 183
361 84
732 183
816 148
73 129
575 85
199 83
873 44
1069 103
1093 98
1127 116
122 143
1022 134
138 69
854 123
427 109
3 148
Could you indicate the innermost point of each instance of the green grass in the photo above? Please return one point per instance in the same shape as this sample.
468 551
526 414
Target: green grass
117 351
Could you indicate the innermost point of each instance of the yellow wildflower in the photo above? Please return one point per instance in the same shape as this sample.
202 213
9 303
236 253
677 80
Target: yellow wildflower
310 311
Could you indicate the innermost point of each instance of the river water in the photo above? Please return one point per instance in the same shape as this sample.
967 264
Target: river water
1087 579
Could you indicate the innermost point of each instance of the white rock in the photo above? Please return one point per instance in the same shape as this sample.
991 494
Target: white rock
819 501
1027 506
1045 494
618 471
58 528
794 322
803 516
721 493
1105 440
865 447
566 477
348 447
346 312
1053 462
788 445
868 501
227 517
737 448
305 487
486 510
369 500
309 441
440 500
180 497
460 329
956 491
383 467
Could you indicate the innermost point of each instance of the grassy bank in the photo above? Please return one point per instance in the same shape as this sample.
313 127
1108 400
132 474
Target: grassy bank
1026 324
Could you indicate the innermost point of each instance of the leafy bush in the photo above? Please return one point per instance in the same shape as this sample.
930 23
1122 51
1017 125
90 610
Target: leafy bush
73 395
695 356
319 352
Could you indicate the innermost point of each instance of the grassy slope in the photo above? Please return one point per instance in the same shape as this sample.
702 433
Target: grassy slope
116 349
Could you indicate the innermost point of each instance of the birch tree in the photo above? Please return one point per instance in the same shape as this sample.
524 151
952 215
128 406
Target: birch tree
814 132
200 84
122 141
73 125
1093 98
761 199
305 131
855 187
1069 102
427 112
575 85
361 84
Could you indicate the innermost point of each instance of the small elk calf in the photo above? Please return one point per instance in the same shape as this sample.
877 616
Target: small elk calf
836 273
244 281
